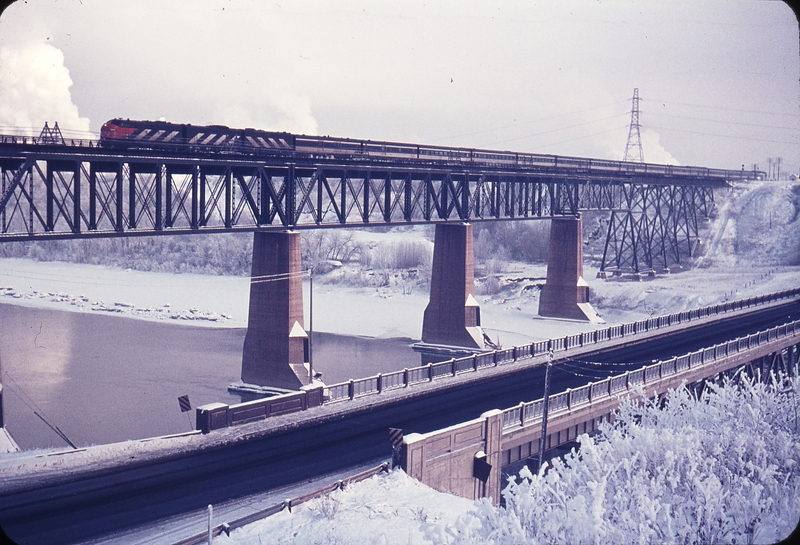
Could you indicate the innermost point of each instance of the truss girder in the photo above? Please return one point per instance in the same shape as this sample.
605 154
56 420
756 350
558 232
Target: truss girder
58 198
652 227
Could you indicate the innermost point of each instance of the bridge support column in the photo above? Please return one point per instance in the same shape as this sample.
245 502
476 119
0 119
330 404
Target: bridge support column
452 317
566 293
276 345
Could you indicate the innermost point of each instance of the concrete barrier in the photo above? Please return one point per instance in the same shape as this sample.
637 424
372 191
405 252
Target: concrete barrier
214 416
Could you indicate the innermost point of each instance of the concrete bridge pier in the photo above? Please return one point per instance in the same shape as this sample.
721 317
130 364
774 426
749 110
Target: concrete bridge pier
275 351
451 326
566 293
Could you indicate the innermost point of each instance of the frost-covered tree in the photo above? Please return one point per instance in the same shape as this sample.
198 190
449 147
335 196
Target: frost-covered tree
719 469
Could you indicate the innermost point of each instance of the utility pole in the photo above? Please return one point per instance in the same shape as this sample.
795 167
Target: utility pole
634 137
545 403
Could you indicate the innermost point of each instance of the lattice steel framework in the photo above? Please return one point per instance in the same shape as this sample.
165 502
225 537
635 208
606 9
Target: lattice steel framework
656 228
52 192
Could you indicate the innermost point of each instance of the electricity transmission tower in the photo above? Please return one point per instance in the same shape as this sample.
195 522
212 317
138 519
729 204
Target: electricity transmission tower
634 138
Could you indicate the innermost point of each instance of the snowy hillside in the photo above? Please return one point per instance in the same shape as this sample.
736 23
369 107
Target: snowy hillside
757 225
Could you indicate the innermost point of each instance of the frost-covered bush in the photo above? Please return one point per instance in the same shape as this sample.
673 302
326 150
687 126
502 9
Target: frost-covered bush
719 469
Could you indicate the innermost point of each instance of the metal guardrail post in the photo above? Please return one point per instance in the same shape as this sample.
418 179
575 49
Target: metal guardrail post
380 382
351 389
430 372
405 376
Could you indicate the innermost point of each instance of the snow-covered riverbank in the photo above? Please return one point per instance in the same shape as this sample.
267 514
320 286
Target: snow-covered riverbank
509 314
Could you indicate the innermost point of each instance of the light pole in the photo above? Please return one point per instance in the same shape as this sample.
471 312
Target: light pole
311 324
545 404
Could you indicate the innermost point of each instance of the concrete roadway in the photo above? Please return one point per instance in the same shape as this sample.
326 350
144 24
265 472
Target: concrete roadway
97 504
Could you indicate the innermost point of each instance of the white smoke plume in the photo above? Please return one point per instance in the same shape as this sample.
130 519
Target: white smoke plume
654 152
34 89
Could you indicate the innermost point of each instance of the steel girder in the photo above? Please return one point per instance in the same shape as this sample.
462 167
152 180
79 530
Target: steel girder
653 223
61 198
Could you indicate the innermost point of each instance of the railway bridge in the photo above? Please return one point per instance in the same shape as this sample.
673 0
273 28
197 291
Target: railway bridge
54 188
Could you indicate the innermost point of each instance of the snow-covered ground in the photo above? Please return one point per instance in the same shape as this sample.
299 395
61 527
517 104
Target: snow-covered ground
384 312
385 509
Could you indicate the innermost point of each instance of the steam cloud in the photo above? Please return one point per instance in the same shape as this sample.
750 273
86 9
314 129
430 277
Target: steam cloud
34 88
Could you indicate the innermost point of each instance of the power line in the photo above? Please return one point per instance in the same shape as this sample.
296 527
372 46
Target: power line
671 116
537 120
727 136
553 130
278 277
577 138
783 114
32 405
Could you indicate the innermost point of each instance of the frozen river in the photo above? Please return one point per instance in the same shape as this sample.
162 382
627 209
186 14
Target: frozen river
103 379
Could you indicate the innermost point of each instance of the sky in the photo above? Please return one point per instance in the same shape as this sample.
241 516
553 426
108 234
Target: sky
718 79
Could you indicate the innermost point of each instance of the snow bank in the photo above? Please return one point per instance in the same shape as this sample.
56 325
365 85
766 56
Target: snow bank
385 509
187 298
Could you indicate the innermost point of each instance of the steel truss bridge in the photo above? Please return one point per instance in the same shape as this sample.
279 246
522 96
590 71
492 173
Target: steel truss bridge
80 189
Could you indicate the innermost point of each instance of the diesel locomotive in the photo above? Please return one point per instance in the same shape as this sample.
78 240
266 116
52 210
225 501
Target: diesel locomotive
161 135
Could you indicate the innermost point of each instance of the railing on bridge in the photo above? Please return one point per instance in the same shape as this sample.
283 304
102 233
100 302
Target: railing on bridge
45 141
526 414
470 458
220 415
377 384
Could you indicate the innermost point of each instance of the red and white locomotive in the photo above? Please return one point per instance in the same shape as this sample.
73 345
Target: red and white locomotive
161 135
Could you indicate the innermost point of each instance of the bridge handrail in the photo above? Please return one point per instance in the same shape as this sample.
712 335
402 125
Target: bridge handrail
352 389
218 415
647 375
48 141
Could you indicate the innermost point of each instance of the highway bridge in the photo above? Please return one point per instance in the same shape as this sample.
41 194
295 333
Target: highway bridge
58 501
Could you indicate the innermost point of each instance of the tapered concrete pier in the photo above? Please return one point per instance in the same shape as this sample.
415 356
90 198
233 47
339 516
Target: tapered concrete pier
566 293
452 316
276 345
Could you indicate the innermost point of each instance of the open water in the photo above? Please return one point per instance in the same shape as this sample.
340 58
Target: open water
102 379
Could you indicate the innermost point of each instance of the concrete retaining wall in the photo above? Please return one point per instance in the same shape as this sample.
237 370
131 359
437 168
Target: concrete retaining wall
462 459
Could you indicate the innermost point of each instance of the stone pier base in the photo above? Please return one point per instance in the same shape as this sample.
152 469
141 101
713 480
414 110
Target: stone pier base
566 293
452 317
276 345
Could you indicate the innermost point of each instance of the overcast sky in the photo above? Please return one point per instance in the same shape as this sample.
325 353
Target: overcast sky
718 79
